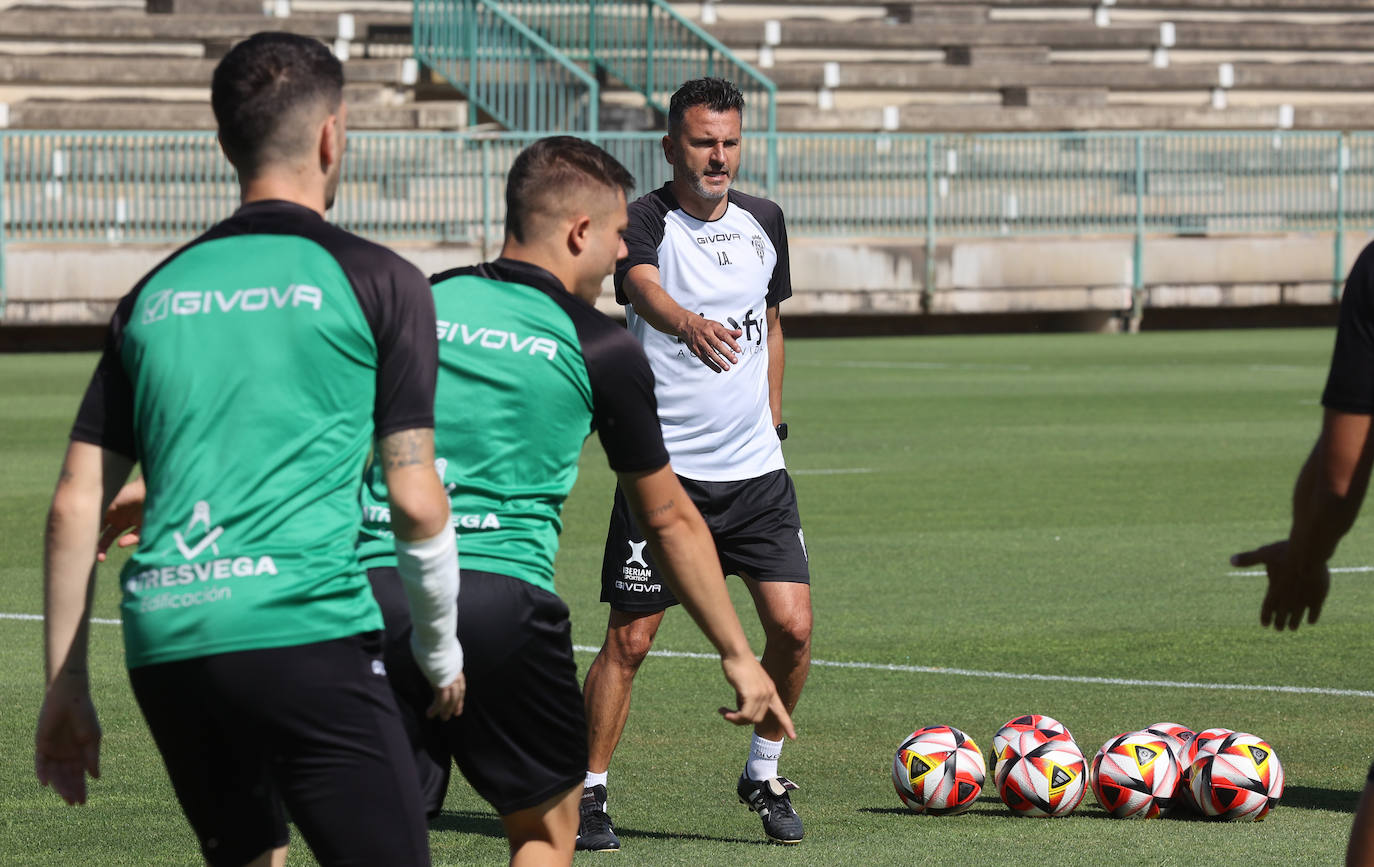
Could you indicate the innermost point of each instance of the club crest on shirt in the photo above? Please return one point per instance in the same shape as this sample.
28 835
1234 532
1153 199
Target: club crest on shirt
758 246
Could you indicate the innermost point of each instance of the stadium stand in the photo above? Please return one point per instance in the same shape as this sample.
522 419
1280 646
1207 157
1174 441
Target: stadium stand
1003 65
126 67
1243 182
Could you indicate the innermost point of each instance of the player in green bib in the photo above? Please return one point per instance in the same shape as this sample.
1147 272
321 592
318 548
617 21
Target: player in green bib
527 370
249 374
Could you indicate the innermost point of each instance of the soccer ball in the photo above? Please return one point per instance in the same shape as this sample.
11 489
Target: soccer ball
1041 775
1239 778
1178 737
1200 744
938 770
1134 775
1009 733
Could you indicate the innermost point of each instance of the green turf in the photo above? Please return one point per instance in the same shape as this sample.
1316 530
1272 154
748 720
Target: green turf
1059 505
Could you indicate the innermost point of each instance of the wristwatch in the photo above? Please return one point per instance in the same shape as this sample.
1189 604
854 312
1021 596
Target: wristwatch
782 431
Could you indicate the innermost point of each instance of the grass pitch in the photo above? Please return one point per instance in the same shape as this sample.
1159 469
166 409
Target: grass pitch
1033 505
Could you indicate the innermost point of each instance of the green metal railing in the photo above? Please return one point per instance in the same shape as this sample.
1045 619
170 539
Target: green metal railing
134 187
652 49
506 69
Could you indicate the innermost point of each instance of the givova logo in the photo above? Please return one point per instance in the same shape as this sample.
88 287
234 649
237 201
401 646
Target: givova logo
159 305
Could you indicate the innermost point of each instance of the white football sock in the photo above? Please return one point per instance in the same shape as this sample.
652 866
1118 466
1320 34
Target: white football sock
595 779
763 758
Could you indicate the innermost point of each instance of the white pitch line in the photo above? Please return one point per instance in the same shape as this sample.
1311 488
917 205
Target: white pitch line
912 365
102 621
1261 573
849 472
1057 678
961 672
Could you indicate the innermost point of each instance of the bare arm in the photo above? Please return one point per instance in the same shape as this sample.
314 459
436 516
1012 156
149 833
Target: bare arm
682 546
710 341
427 561
419 507
1326 499
776 361
67 741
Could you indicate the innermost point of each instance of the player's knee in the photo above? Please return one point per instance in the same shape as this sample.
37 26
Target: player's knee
628 646
792 632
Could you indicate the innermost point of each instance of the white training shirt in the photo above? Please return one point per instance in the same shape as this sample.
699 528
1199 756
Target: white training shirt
717 426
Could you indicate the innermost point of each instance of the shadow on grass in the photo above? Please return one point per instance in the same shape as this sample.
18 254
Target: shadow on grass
673 835
488 825
469 822
1308 798
1296 797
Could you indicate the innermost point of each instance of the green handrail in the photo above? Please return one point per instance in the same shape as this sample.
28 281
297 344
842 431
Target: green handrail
506 69
651 48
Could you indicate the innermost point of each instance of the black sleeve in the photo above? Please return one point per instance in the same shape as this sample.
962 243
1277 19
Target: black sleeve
780 284
106 416
1350 383
399 306
624 410
642 237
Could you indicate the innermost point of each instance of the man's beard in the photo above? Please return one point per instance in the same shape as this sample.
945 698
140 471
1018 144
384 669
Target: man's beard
699 187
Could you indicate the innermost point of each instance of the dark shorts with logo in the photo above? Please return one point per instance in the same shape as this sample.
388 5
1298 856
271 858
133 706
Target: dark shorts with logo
522 736
754 523
312 731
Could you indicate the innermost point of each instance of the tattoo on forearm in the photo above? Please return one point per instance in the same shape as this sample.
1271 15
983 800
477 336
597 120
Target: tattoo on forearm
406 448
659 510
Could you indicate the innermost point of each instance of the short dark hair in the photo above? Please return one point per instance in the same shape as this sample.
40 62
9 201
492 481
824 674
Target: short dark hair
551 171
260 86
716 94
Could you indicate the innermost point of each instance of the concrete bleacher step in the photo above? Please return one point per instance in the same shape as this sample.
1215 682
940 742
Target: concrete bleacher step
147 71
103 114
886 76
217 29
1235 5
1056 35
984 118
997 55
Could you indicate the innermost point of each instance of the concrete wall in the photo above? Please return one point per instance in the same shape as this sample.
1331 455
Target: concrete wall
68 284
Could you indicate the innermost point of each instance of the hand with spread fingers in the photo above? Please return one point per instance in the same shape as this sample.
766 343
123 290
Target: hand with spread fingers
711 342
1294 587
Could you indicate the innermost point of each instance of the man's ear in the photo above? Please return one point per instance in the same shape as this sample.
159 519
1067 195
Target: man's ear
330 141
579 234
668 150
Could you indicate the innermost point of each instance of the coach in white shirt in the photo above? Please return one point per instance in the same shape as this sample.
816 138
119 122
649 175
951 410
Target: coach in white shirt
706 271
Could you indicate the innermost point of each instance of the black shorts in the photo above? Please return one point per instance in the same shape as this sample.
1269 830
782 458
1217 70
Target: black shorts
312 730
522 736
754 523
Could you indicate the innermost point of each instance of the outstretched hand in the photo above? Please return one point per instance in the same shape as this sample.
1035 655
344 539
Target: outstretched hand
1294 588
123 519
755 696
711 342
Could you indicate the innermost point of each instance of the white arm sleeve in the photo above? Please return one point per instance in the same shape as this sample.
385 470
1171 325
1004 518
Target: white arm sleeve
429 572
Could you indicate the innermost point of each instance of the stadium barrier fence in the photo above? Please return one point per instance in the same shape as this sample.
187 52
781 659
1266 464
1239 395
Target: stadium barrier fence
61 187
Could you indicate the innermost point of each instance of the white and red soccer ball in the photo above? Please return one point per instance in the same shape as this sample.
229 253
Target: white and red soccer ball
1178 737
1041 774
1048 726
1135 775
938 771
1237 777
